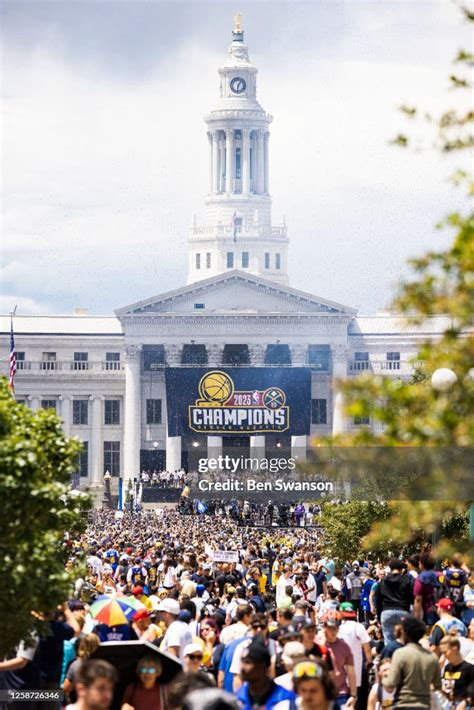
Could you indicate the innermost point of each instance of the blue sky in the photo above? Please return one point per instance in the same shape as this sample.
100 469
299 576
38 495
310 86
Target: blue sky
105 153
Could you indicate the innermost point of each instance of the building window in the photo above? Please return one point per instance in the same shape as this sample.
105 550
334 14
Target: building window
208 260
238 164
153 357
199 306
20 361
198 261
112 457
83 460
153 411
80 412
111 411
194 354
393 361
49 361
319 357
278 354
267 259
20 401
236 354
361 361
277 261
238 135
361 421
112 361
48 404
319 411
80 361
245 260
230 259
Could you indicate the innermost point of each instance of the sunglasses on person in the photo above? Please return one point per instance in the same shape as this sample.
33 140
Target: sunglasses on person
148 671
195 657
259 626
308 670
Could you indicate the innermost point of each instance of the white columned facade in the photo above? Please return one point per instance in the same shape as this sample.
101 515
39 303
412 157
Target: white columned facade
339 373
299 447
132 418
65 414
173 453
266 187
34 400
229 152
215 161
214 446
260 162
245 160
211 171
96 445
257 448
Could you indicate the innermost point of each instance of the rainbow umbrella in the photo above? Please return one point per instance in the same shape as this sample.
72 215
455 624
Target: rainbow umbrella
114 611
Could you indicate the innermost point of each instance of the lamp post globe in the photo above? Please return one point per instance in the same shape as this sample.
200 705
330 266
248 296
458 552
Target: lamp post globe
443 379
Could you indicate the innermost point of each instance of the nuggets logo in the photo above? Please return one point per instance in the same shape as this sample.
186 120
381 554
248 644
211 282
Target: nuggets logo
222 408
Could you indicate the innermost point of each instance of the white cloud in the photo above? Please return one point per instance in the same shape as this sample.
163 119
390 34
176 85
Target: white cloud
101 177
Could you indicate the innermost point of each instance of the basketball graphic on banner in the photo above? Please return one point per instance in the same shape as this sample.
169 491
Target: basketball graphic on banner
216 387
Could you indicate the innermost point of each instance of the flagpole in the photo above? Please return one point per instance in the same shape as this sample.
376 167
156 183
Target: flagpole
12 359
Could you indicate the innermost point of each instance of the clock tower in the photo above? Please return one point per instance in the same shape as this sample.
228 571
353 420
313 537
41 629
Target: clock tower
237 232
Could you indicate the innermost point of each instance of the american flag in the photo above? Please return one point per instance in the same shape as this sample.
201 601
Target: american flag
12 358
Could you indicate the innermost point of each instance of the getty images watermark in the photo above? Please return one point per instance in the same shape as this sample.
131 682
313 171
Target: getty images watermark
227 475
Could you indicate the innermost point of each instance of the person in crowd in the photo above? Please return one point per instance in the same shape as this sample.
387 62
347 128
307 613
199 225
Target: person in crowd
146 692
314 687
414 671
343 660
457 674
357 638
393 597
467 601
86 646
258 689
95 685
455 577
293 653
380 697
177 634
212 646
425 589
354 583
446 624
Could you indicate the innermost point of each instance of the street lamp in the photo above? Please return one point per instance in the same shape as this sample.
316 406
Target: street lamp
443 379
195 444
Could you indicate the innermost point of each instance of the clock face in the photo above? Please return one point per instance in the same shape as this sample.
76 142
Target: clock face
238 85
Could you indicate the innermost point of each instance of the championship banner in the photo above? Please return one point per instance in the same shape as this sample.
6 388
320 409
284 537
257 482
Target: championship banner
255 400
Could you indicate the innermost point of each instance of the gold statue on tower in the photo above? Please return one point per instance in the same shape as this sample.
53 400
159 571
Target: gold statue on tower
238 23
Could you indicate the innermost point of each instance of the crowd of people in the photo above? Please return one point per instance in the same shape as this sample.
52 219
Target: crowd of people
249 619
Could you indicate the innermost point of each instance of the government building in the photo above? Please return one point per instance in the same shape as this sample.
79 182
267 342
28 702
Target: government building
107 376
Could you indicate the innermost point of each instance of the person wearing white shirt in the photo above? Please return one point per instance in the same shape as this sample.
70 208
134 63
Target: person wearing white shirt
356 636
284 580
178 634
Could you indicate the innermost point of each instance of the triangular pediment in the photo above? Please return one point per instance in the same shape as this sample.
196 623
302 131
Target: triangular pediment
235 292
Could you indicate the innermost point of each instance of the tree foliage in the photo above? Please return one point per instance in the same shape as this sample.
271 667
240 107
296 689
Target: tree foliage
38 507
411 413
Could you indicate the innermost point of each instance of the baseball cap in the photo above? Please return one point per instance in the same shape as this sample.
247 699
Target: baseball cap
347 609
192 649
445 603
356 563
332 618
231 590
141 614
137 590
169 605
257 652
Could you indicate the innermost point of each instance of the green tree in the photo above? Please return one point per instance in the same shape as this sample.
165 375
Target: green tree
38 507
346 525
412 413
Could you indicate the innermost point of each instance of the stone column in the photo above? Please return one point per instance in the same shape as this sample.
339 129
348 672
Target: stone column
65 414
260 162
339 373
211 172
221 161
215 354
299 448
298 354
215 161
245 160
214 446
34 400
257 354
173 453
257 448
96 444
229 168
266 187
132 418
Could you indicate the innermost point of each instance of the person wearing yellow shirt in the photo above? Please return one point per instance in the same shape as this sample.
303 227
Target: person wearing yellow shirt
139 596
